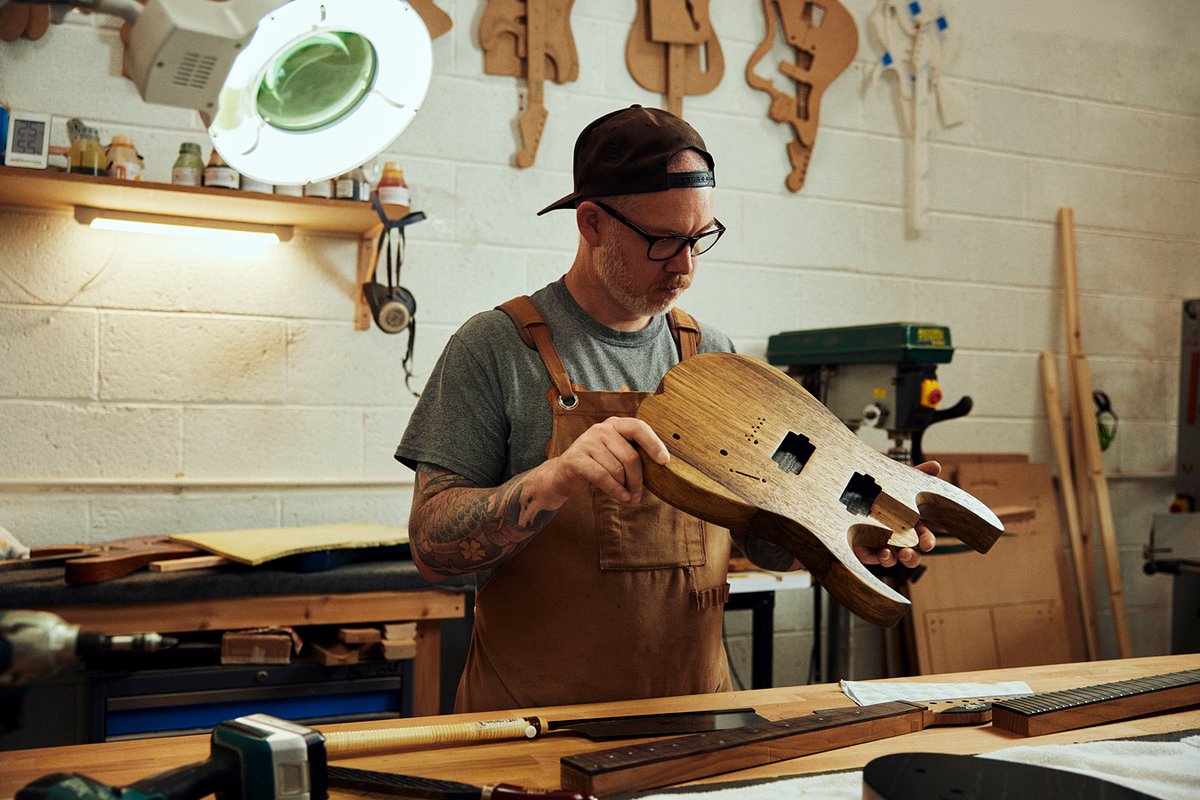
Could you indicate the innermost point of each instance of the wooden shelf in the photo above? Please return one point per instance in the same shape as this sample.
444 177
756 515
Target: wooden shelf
55 190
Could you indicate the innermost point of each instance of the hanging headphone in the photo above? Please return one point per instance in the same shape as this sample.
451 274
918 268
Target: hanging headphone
393 307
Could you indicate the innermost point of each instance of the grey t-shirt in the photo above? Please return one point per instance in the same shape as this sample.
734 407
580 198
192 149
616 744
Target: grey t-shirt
483 412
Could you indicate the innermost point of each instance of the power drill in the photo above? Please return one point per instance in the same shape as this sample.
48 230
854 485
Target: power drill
257 757
36 644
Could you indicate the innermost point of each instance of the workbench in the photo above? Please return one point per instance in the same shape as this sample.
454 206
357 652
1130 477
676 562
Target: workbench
234 598
535 763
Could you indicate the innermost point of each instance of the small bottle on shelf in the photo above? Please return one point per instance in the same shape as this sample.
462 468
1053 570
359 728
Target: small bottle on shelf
123 161
393 189
219 174
319 188
353 185
86 155
189 167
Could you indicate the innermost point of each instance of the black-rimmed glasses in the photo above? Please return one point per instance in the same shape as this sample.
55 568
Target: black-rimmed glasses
664 248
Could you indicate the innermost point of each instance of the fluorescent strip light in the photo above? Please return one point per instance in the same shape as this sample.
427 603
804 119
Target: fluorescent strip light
213 229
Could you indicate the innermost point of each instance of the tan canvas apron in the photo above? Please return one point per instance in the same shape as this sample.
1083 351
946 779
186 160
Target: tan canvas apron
609 601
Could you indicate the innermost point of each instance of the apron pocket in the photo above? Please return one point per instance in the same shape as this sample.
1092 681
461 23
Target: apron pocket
650 535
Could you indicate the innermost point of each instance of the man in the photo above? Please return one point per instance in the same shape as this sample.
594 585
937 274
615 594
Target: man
525 447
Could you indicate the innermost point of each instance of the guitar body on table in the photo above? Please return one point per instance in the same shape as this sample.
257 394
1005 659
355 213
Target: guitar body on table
755 452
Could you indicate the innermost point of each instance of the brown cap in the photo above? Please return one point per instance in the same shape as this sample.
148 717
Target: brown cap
627 152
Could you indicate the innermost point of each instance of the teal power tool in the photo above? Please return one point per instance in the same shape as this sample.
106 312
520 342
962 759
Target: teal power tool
257 757
36 644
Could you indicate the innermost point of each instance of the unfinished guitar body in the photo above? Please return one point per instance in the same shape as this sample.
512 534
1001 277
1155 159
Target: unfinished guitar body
753 451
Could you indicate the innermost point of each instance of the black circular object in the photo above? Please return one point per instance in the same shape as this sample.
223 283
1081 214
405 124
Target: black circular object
939 776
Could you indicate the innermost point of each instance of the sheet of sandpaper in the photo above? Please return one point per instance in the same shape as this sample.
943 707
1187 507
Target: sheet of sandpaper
255 546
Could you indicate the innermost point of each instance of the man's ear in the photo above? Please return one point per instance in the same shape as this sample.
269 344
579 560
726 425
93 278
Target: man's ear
587 218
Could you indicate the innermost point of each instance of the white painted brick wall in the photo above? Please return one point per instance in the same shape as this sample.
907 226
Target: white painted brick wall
147 360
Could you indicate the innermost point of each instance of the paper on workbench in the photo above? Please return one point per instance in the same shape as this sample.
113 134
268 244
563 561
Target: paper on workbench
866 694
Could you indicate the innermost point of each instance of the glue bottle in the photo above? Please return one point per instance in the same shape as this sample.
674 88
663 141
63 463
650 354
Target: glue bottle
393 189
87 156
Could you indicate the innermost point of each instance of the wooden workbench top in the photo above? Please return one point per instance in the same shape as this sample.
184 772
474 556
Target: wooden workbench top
536 763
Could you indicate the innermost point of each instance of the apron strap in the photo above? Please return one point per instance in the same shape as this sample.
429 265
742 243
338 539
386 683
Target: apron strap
536 334
685 331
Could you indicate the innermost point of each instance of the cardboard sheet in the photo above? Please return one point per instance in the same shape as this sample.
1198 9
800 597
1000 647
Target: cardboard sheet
255 546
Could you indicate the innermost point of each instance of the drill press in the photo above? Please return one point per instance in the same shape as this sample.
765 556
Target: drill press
871 376
874 376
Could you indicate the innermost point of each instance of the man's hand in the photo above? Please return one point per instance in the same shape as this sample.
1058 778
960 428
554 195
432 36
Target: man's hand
907 556
605 457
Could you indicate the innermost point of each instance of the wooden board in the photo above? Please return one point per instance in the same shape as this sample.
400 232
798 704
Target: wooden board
970 613
255 546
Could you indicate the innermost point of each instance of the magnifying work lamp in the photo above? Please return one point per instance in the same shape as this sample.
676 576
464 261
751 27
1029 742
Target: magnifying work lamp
292 91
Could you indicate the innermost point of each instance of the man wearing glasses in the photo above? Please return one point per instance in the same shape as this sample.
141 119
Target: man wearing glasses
524 441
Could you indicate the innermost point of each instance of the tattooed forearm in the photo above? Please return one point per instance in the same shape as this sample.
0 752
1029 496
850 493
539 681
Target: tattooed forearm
473 528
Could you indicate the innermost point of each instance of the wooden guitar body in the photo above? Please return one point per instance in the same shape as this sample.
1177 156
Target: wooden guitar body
753 451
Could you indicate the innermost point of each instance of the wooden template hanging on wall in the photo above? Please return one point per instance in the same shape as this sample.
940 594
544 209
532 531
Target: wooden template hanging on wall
435 19
824 38
530 39
672 49
917 42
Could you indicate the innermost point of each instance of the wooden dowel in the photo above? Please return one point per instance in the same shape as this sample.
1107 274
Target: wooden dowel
1078 414
1058 443
1108 535
347 743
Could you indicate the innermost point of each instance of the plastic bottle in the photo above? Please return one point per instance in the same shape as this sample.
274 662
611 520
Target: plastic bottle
189 167
290 189
393 189
87 156
123 161
353 185
219 174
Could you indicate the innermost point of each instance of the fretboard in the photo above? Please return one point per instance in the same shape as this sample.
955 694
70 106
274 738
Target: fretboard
1049 712
667 761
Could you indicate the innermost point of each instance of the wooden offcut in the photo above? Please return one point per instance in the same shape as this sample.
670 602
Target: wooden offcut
259 647
753 451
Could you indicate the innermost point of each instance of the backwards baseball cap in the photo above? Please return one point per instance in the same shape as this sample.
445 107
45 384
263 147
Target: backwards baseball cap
627 152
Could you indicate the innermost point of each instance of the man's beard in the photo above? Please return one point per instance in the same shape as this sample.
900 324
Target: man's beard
614 273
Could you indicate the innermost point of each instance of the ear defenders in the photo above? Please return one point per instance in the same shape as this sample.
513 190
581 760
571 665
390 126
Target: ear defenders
393 307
